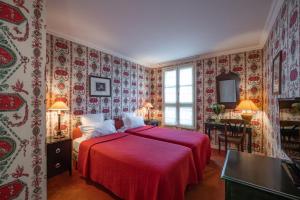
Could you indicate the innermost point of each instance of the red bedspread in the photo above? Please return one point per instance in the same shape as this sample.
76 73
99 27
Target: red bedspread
137 168
198 142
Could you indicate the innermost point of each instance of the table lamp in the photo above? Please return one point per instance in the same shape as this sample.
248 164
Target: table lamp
247 106
148 106
59 106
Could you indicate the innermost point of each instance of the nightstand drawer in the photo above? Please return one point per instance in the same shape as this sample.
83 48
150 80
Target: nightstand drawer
58 151
56 167
59 156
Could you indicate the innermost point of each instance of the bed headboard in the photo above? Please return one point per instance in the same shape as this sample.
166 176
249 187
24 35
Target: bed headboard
118 122
76 133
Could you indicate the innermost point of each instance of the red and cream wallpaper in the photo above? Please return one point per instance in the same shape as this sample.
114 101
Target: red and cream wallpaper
255 69
68 68
22 97
69 65
249 65
284 37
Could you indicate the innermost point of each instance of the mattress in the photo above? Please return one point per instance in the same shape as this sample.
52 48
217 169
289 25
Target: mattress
76 143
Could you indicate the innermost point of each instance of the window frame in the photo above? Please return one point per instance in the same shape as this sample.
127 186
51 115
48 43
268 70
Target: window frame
178 105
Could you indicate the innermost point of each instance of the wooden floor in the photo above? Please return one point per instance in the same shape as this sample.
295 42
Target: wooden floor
65 187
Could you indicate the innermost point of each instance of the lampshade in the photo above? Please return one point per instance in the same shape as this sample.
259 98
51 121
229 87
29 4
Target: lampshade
148 105
247 105
59 105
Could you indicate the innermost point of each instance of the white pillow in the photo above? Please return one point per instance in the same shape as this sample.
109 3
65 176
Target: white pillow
87 131
92 119
107 127
133 122
125 119
128 114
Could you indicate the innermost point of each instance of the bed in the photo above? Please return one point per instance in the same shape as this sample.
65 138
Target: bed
135 167
199 143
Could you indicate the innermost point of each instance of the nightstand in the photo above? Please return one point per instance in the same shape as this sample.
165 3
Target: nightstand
59 157
152 122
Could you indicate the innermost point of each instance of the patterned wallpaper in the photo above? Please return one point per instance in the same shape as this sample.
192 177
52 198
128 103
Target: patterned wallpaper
131 81
249 65
156 92
22 94
255 69
68 67
283 36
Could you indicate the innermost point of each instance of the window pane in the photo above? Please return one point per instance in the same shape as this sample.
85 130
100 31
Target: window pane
170 115
170 95
186 116
186 94
170 78
186 76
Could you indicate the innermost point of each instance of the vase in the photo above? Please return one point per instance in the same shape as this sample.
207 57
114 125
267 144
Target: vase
218 118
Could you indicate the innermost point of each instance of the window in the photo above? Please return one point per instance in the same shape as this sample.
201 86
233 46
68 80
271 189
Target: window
178 91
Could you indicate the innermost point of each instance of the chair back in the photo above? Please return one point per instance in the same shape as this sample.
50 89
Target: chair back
235 127
289 131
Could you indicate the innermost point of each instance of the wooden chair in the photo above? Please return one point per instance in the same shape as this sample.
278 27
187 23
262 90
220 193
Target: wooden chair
290 138
289 130
234 133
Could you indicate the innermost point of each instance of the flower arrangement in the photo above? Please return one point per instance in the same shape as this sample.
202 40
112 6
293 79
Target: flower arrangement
217 109
295 108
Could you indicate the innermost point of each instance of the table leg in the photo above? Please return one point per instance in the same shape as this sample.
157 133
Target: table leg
207 131
250 142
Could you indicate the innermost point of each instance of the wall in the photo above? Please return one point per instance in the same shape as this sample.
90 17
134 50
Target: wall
284 37
249 66
68 67
22 118
256 79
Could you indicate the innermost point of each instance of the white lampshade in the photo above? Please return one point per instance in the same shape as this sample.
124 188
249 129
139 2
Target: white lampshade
59 106
148 105
247 105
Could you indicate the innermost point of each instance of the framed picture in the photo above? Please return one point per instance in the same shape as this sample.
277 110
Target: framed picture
100 87
276 76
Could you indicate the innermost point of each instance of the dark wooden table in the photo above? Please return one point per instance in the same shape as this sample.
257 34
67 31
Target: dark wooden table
211 125
152 122
249 176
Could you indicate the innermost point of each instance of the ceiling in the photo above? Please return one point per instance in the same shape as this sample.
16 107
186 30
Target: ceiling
157 31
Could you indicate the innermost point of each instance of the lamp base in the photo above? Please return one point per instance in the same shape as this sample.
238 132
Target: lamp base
247 117
58 135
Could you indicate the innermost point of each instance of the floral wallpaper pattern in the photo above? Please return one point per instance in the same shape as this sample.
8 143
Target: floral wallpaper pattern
284 37
69 65
22 97
68 68
249 65
255 70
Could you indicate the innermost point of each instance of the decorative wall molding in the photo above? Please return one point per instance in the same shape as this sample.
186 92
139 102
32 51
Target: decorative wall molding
93 46
273 13
205 56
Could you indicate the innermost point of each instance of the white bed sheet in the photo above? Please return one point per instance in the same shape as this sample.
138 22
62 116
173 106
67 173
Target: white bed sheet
76 143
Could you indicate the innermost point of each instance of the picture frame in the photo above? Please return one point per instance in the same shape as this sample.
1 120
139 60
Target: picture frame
276 73
99 86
